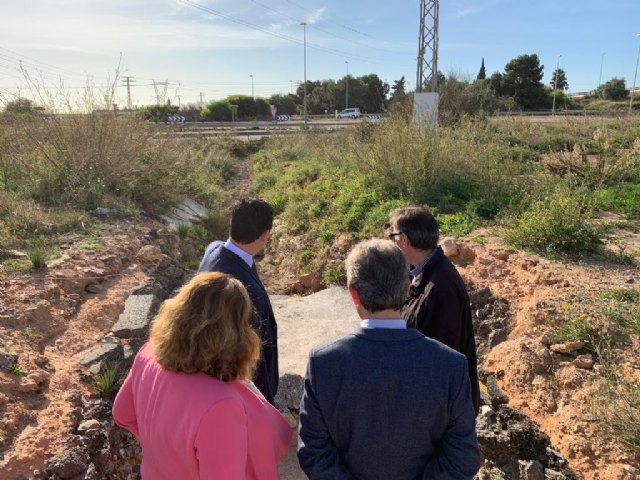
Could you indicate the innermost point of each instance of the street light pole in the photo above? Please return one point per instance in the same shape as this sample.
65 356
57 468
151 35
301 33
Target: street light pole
555 84
291 87
304 101
600 77
634 79
346 81
252 94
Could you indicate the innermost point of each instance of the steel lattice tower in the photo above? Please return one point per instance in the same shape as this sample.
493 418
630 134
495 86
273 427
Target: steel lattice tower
427 77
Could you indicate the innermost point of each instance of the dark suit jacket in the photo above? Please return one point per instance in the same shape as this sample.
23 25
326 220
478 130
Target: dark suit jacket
218 259
439 307
387 404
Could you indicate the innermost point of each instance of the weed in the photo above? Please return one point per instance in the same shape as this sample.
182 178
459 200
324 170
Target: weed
27 332
39 252
184 230
18 370
576 329
617 406
109 379
623 307
621 295
335 275
480 240
556 224
306 256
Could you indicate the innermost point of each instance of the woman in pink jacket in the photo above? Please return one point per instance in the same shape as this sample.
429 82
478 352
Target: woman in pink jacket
185 398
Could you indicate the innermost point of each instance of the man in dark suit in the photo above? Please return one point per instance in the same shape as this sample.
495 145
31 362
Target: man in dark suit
385 402
437 304
250 228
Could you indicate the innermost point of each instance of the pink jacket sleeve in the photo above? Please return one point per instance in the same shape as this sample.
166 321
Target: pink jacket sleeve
124 412
221 443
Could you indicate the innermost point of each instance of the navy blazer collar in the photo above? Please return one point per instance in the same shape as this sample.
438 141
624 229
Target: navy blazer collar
242 264
388 334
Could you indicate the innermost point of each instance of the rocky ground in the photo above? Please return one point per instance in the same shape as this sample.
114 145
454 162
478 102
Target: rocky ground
50 318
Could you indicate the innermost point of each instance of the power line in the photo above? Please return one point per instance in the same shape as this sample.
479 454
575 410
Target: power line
275 34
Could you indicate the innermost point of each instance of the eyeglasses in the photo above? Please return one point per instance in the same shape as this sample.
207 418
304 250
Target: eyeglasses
395 234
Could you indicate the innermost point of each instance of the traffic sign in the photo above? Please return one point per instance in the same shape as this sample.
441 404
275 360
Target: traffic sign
283 118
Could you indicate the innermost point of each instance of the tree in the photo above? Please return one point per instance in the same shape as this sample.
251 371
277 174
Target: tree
559 80
159 113
22 105
398 90
614 89
374 94
522 80
482 74
285 104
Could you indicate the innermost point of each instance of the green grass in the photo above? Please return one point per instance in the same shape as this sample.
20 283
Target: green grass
622 306
39 252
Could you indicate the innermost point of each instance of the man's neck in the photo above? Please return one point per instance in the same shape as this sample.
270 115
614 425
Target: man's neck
388 314
251 248
416 256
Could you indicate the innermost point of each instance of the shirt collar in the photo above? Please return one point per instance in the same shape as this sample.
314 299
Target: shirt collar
418 270
395 324
232 247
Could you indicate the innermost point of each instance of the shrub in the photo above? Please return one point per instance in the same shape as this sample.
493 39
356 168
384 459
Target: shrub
617 406
38 253
557 223
109 379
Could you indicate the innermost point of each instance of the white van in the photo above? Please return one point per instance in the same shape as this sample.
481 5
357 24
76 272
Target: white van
349 113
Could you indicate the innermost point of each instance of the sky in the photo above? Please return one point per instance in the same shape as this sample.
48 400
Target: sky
209 49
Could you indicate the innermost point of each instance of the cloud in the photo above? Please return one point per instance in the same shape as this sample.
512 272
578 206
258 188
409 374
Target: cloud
315 16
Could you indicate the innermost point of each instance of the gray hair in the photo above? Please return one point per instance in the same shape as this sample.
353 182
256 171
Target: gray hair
378 271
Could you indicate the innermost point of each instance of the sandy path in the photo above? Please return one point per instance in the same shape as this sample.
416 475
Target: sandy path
302 323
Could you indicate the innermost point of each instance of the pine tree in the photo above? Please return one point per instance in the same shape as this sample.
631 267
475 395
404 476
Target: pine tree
482 74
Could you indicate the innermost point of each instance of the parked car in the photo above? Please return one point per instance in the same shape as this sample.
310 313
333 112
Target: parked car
349 113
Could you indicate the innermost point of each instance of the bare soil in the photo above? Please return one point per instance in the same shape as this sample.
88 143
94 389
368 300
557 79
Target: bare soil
49 319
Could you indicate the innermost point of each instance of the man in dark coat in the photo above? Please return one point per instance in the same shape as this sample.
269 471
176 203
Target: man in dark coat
250 228
438 304
385 402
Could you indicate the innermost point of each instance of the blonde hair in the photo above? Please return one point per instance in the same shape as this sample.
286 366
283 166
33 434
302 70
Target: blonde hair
205 328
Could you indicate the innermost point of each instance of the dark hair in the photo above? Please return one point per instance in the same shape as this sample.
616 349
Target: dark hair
250 218
417 223
377 270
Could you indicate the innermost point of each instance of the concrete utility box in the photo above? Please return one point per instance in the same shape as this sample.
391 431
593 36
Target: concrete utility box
425 110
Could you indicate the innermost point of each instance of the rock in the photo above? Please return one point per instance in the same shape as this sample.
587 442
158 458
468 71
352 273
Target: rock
496 395
568 347
41 361
450 247
104 351
93 288
290 418
27 385
89 426
136 317
311 282
599 369
40 377
7 360
149 254
547 339
14 254
480 296
531 470
289 392
102 212
69 463
584 361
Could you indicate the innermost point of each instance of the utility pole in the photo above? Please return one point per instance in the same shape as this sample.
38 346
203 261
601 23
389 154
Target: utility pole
128 81
555 86
428 46
304 26
346 81
201 99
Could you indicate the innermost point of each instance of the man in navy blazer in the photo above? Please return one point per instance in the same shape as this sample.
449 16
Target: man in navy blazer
385 402
249 231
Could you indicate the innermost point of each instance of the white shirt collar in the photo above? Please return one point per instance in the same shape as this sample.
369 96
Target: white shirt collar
383 323
232 247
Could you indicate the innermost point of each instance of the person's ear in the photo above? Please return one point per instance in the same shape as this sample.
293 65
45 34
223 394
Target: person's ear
354 296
